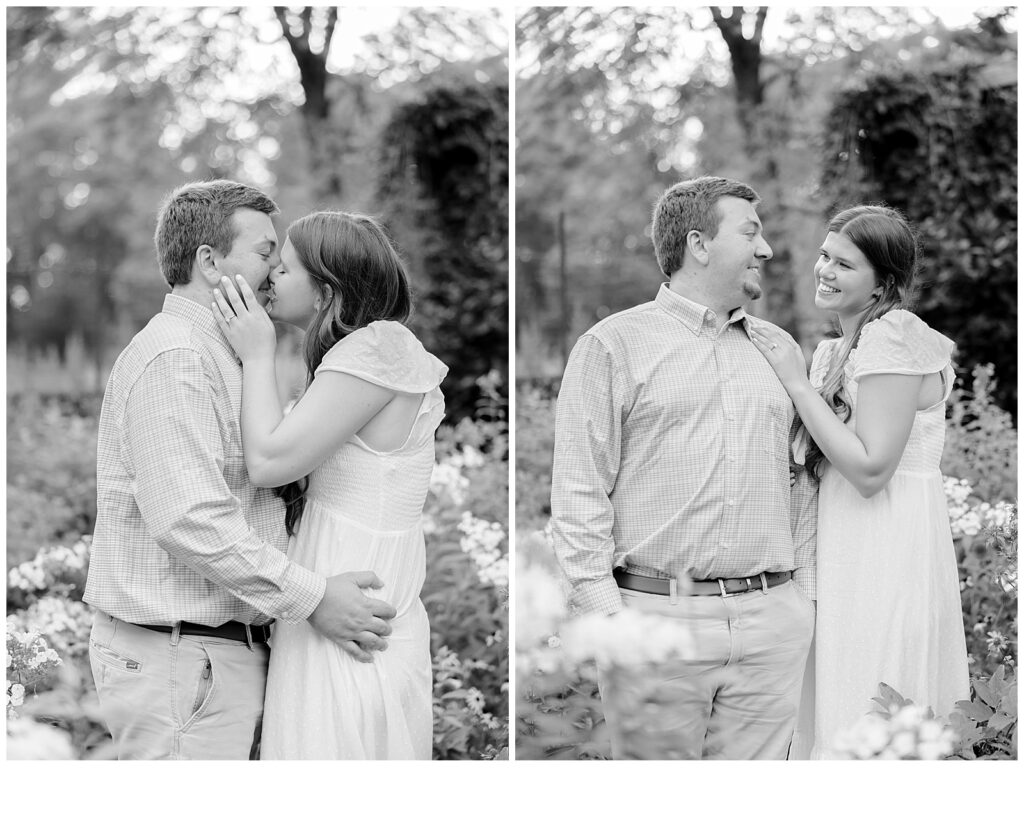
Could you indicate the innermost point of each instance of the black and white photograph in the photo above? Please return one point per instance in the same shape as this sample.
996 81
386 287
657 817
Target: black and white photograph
766 384
257 366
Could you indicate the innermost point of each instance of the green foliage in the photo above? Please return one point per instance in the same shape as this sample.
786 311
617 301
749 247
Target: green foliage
941 145
469 618
987 724
445 176
988 594
535 445
51 472
981 444
560 717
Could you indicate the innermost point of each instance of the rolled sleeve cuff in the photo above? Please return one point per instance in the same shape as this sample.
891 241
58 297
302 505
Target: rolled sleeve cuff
597 596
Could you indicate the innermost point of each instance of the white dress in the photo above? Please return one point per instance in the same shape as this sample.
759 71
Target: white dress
888 588
363 513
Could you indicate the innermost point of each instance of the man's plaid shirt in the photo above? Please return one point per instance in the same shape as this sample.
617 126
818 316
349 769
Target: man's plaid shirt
181 533
672 455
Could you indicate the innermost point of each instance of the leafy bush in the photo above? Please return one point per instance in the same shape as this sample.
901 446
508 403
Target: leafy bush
51 471
981 443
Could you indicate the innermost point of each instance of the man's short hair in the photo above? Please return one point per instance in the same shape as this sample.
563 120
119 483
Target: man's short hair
687 206
200 213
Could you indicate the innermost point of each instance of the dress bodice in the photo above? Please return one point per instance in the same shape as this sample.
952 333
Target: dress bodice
383 491
897 343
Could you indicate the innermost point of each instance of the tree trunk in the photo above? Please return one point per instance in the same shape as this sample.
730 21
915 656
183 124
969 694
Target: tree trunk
316 108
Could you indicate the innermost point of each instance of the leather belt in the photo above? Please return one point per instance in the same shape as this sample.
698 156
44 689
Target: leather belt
238 631
702 587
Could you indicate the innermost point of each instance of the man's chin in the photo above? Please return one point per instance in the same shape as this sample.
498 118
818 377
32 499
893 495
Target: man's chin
752 291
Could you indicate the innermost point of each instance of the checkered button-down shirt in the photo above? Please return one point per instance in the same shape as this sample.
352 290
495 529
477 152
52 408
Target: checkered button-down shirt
672 455
181 532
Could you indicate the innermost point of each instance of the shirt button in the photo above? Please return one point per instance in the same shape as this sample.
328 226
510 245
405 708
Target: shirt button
723 545
732 502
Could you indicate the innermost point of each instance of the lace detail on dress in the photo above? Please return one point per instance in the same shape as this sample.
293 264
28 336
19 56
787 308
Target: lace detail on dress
899 343
388 354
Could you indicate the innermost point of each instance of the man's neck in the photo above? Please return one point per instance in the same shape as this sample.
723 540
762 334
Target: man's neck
692 288
194 291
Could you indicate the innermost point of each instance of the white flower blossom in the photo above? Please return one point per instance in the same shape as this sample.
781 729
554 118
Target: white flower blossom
482 541
629 639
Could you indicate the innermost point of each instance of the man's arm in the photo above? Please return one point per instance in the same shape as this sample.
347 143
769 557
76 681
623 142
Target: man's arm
173 444
588 434
804 523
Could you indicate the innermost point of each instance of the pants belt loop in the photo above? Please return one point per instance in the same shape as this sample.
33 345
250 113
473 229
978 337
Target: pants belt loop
764 583
176 633
248 635
673 591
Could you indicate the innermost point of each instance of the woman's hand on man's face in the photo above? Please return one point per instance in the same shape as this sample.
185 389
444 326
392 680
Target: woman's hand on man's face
243 321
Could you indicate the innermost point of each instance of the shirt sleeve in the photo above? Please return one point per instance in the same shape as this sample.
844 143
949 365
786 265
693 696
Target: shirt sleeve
588 433
173 444
804 523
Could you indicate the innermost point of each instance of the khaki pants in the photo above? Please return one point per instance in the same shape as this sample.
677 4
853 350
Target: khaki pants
737 698
167 696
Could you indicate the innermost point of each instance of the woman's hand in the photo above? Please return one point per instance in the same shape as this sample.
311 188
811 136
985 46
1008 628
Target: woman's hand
783 353
243 321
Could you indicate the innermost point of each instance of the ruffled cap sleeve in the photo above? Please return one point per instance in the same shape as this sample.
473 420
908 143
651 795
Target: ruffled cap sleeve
899 343
388 354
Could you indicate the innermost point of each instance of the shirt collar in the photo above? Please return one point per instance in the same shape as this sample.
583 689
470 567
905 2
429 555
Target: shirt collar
199 316
691 314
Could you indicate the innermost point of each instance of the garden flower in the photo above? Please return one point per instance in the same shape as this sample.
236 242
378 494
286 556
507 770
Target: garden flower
909 732
482 541
28 739
629 638
540 607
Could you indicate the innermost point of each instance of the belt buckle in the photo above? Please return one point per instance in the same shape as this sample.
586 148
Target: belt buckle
725 593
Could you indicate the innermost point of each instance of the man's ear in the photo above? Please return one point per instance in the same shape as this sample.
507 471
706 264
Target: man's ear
697 246
204 264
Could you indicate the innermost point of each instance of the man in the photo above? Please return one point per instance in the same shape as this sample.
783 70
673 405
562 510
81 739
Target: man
188 565
672 464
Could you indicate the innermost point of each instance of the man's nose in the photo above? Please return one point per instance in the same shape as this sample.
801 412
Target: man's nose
764 250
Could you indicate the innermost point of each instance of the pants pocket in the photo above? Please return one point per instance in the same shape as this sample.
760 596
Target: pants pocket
112 659
196 684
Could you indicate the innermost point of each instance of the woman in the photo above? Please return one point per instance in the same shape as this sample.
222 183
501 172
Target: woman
363 432
874 409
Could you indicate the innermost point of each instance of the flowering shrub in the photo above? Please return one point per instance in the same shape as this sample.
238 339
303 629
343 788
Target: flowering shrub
51 472
900 731
466 588
30 660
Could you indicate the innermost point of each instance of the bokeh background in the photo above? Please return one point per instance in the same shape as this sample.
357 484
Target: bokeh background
400 113
818 109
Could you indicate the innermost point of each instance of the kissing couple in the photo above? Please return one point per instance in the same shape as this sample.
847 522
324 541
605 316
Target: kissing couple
226 526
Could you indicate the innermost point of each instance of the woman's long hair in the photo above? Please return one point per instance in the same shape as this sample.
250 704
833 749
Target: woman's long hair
361 279
888 242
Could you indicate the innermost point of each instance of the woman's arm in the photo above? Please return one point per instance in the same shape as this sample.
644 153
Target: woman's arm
868 455
280 448
334 408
